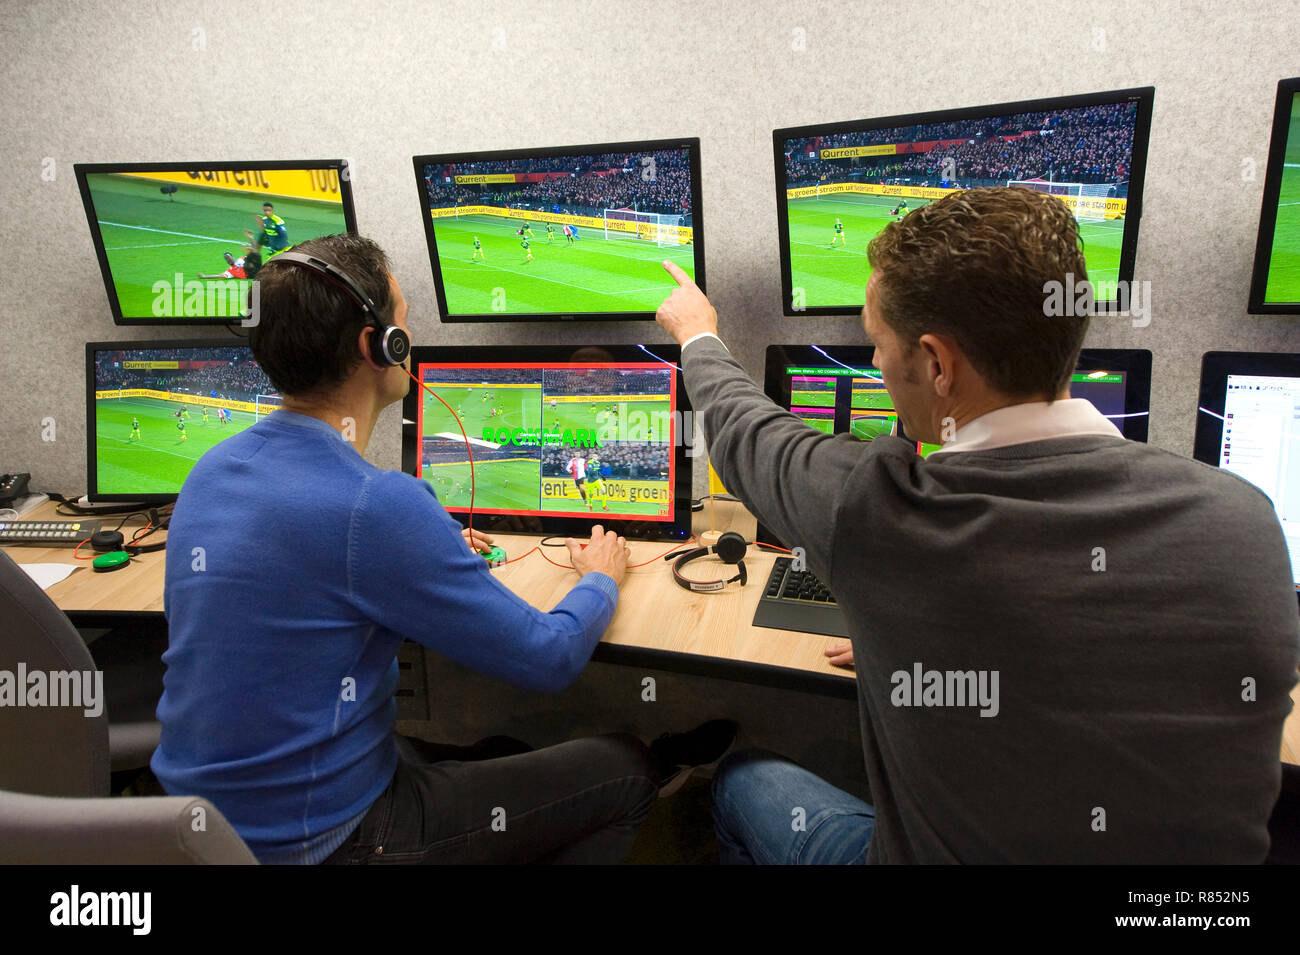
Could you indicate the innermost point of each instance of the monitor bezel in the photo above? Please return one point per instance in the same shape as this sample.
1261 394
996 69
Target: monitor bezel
678 529
1282 110
92 434
1212 395
697 224
83 170
1144 96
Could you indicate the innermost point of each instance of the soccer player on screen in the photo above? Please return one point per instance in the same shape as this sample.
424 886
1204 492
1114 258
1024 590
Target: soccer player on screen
478 251
577 469
274 234
568 234
135 431
245 267
550 234
205 415
528 251
839 234
180 426
596 483
527 229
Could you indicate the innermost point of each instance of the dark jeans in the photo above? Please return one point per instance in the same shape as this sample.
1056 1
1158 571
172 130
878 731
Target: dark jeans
578 802
767 809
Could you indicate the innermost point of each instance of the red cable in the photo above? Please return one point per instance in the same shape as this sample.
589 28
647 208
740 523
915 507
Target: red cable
520 557
468 449
666 553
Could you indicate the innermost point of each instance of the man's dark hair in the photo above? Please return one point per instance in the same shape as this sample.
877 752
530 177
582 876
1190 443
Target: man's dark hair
972 266
306 335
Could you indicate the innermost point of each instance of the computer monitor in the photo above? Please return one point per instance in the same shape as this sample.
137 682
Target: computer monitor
835 389
180 243
542 423
1275 283
572 232
1248 422
838 185
154 407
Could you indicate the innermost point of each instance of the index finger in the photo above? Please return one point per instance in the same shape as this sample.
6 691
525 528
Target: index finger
675 270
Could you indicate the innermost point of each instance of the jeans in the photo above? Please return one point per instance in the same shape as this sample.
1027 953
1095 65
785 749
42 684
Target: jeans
578 802
769 810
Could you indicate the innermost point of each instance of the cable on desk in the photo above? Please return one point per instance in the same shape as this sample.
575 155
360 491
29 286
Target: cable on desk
520 557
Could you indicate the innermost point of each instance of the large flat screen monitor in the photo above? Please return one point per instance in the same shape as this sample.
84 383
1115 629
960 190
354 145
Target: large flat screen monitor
573 232
154 407
180 243
1248 422
835 389
1275 284
561 437
838 185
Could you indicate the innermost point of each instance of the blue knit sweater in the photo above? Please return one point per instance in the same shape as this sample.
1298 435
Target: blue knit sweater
294 570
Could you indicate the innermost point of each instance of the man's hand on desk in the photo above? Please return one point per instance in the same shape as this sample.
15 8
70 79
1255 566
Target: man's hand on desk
686 312
477 541
607 554
841 655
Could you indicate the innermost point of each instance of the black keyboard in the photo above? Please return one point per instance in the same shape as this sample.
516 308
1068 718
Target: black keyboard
797 600
47 533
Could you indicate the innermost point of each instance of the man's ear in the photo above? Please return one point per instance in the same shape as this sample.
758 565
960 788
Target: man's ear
363 345
940 353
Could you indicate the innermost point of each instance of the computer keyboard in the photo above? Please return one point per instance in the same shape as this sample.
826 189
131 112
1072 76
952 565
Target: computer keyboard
47 533
797 600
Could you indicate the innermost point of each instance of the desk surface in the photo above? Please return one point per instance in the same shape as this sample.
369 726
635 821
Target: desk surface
654 614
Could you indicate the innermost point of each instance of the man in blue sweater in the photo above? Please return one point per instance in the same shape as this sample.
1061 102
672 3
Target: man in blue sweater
294 570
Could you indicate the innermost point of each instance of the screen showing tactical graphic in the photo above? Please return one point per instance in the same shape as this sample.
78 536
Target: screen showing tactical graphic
563 439
182 245
571 232
838 186
156 408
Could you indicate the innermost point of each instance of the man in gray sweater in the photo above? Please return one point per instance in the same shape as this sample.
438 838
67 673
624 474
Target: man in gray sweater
1069 647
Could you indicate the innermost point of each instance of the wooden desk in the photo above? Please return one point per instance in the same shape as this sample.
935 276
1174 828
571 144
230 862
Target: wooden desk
676 629
658 624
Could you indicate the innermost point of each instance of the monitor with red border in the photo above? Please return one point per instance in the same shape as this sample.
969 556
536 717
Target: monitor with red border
560 438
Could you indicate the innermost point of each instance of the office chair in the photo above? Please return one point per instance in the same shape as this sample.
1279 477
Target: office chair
56 750
154 830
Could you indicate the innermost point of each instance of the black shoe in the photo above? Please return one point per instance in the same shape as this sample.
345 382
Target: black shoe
678 755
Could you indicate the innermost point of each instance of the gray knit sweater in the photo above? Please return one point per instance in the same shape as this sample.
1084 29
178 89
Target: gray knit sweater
1133 610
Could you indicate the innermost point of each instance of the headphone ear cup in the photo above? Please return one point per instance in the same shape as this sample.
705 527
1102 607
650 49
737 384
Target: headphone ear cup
395 344
731 547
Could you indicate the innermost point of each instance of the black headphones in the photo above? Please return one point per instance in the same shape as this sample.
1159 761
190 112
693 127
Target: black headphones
730 547
393 344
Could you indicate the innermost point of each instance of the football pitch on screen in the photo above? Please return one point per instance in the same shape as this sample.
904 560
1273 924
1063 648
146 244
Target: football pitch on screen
159 461
149 238
513 484
594 274
836 275
1284 262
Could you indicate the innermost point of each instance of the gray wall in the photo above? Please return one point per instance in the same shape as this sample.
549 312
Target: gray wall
100 81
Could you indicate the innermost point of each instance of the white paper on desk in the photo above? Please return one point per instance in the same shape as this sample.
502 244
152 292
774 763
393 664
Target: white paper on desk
47 575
